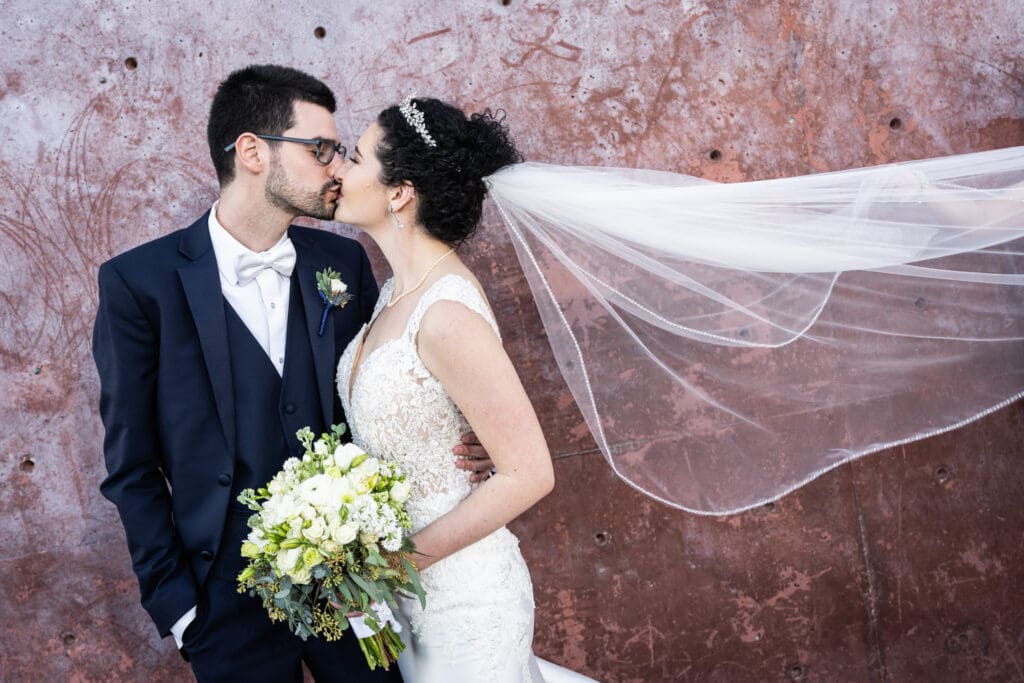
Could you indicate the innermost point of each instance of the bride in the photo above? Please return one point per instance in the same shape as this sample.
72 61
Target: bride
429 366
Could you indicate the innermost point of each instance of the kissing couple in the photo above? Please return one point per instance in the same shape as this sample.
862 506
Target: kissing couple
214 347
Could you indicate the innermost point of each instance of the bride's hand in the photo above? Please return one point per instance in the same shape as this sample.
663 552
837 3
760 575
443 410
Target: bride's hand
341 608
473 457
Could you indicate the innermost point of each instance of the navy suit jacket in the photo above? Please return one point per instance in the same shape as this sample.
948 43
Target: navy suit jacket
166 398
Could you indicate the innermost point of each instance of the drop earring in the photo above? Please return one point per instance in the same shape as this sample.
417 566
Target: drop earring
394 217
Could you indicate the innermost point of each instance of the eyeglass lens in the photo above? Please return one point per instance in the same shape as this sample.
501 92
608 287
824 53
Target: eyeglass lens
325 151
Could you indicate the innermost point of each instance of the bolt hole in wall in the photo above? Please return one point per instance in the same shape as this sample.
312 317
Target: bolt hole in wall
320 32
895 123
942 474
504 3
602 538
69 639
796 672
27 464
714 155
131 63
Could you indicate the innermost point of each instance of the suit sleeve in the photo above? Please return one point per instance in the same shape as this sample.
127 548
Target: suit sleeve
126 350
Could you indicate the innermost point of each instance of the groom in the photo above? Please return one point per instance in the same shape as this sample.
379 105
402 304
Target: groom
213 348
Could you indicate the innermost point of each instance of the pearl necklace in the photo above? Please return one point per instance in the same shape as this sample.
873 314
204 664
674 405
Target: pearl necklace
419 284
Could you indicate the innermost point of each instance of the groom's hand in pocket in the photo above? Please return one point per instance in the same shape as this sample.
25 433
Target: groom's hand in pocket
472 456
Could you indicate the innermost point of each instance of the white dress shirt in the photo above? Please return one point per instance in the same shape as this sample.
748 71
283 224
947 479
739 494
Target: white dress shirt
262 304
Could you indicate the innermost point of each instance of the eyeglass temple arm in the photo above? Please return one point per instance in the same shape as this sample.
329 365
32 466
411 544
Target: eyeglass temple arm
337 145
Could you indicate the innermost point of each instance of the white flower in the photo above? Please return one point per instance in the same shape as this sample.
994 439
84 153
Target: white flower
287 559
320 448
344 533
392 544
315 531
277 486
338 287
301 576
294 527
256 537
345 454
364 475
400 491
280 508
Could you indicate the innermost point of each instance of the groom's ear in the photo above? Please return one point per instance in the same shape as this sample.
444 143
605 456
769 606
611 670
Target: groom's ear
251 154
401 195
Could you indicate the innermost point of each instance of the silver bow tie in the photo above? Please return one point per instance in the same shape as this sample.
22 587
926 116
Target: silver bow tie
281 258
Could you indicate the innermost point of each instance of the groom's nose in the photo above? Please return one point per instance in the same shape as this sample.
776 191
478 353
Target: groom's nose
334 169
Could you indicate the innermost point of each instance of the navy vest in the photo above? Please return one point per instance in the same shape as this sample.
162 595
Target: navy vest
269 408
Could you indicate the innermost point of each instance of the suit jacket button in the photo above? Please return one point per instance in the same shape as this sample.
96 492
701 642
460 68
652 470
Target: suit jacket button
289 408
206 555
224 479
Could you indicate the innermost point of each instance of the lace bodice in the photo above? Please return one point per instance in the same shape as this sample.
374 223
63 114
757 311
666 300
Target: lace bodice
401 413
478 622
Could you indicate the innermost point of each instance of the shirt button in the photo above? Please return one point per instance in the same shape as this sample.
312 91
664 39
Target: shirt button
224 479
280 359
273 305
206 555
289 408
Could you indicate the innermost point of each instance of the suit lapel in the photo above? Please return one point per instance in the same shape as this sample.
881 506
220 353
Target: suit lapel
308 260
201 282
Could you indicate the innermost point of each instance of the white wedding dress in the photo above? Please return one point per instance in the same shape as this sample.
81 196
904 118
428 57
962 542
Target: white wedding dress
478 622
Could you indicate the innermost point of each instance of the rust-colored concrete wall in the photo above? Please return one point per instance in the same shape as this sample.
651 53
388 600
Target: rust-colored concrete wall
906 565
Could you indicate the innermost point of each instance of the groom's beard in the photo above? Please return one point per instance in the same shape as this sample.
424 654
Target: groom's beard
281 194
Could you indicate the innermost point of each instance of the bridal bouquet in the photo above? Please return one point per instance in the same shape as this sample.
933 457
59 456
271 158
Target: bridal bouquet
329 529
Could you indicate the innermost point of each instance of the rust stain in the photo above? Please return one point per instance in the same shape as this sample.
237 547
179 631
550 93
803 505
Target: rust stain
425 36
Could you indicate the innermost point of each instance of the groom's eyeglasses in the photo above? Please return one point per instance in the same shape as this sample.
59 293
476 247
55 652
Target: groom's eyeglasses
325 149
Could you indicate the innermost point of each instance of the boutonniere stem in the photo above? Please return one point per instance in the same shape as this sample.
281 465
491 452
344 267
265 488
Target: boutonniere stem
333 292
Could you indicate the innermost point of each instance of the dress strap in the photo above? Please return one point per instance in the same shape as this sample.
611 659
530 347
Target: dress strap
451 287
383 297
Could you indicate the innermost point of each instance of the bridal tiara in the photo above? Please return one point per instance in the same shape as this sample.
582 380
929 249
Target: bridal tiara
414 117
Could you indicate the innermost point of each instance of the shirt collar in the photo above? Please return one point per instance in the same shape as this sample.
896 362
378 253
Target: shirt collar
226 248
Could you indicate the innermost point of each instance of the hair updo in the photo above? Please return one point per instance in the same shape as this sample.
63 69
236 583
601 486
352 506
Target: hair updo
448 177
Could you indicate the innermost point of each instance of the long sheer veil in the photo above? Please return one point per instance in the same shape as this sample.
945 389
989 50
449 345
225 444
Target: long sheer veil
728 343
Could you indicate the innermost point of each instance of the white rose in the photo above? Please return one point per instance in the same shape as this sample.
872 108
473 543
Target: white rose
286 559
400 491
301 576
345 454
338 287
344 533
363 474
315 531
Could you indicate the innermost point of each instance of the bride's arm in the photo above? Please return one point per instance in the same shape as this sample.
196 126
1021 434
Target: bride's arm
462 351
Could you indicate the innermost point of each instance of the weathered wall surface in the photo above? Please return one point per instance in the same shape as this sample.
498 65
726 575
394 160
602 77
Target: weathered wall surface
905 565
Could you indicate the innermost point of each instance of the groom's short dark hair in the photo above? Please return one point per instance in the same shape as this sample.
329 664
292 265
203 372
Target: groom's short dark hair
258 99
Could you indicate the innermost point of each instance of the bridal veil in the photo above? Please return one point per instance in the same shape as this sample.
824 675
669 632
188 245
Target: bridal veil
728 343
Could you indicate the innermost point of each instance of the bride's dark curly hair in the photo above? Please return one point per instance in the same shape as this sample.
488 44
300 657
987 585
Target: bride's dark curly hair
449 177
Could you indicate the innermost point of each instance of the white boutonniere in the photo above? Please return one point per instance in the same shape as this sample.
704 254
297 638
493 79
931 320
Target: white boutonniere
333 292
